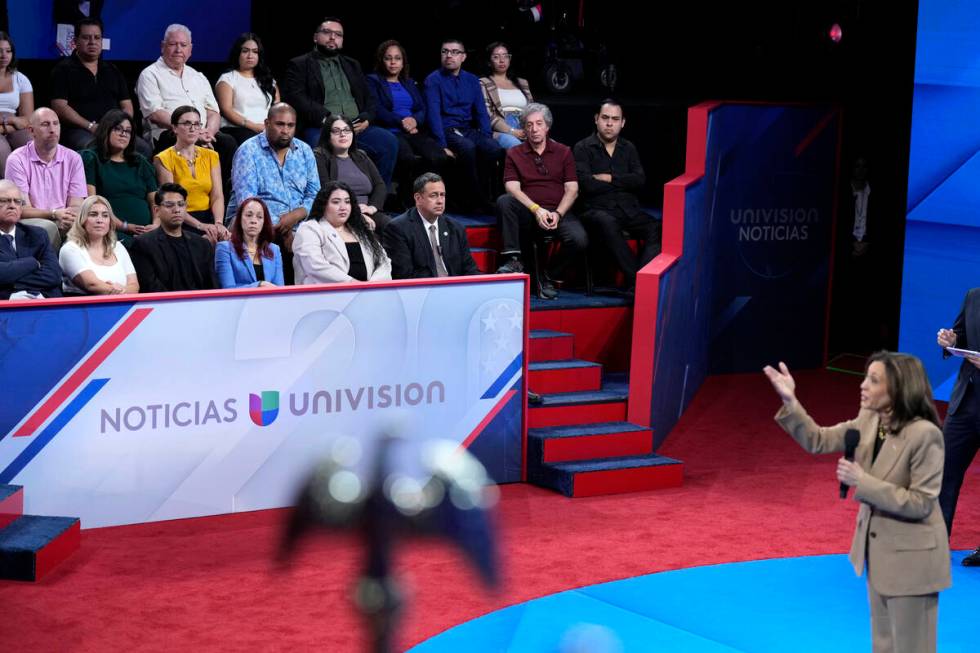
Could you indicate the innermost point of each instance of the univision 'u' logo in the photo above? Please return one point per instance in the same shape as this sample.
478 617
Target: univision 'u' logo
263 410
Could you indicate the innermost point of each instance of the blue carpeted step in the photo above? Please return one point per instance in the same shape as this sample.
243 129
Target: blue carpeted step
32 545
609 476
474 220
547 345
547 333
587 441
568 299
612 390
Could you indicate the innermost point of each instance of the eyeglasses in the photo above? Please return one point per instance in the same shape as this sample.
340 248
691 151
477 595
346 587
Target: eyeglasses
174 205
330 32
124 131
446 52
11 201
345 131
539 164
500 57
189 125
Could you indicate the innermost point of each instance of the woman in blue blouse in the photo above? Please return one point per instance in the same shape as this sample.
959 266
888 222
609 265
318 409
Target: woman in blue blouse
401 110
249 259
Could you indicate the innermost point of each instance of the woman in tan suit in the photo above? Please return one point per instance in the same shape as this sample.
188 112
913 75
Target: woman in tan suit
900 538
336 244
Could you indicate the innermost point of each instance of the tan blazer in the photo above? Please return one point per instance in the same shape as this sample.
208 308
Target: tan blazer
492 99
900 530
320 256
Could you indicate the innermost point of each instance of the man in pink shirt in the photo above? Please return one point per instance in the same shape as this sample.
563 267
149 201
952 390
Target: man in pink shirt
50 175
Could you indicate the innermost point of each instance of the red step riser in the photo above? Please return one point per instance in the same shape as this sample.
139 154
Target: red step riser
542 416
486 262
621 481
602 335
571 379
604 445
57 551
11 508
556 348
482 237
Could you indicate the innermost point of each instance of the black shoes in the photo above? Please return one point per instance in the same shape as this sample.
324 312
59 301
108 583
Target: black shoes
972 560
546 289
512 266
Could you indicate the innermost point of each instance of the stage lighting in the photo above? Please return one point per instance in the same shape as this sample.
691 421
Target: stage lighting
835 33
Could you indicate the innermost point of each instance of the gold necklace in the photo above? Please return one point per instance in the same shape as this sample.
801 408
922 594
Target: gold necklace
882 432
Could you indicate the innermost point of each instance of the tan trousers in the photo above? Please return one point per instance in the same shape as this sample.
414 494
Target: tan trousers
903 624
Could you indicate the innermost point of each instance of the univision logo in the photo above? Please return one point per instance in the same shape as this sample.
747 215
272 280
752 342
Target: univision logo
263 410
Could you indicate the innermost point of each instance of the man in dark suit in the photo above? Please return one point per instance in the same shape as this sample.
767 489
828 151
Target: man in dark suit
325 83
422 242
961 431
28 266
168 258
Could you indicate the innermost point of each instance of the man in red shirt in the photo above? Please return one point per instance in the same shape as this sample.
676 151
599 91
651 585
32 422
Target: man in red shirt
541 185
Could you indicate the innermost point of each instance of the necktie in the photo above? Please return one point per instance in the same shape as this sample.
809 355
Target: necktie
7 245
440 264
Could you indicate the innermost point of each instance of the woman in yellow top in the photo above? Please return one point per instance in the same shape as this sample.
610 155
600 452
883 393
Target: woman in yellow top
197 169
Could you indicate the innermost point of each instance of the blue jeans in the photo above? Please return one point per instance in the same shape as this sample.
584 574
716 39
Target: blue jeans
507 141
477 155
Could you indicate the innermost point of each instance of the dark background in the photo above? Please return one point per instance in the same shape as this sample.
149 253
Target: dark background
668 56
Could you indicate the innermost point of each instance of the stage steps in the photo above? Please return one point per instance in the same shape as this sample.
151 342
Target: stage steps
32 545
579 440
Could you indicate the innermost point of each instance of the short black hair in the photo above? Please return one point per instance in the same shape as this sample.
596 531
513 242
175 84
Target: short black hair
169 187
613 102
88 22
423 179
329 19
454 40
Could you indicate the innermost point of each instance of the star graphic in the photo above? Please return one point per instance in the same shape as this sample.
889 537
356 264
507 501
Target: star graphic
489 322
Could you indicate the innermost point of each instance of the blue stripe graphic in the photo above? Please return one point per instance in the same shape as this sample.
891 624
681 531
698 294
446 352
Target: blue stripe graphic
504 377
45 436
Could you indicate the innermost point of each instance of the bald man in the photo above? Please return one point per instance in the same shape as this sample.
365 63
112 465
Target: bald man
50 175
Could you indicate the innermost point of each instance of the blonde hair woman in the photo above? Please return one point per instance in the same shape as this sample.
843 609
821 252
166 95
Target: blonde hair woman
92 260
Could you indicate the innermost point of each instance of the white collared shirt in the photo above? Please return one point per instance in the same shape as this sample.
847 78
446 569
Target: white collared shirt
426 224
161 87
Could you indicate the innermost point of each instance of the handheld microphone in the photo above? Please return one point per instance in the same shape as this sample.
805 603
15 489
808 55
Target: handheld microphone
851 439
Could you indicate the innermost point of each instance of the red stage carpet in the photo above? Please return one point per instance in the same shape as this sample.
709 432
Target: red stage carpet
209 584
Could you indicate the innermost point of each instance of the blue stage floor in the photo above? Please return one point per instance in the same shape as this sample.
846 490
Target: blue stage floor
797 605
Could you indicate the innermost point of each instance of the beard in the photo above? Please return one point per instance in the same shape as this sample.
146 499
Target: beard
326 52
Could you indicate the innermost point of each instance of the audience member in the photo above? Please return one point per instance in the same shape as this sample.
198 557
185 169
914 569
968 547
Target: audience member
124 177
169 83
84 87
505 95
458 120
280 170
401 110
28 266
198 171
338 160
324 82
338 246
92 260
16 101
249 259
539 176
50 175
609 176
169 258
423 242
246 90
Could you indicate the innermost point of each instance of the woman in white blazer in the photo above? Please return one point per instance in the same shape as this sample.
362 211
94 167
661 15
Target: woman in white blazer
336 245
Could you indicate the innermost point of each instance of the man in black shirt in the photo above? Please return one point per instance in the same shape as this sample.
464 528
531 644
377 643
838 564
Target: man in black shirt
609 174
168 258
84 88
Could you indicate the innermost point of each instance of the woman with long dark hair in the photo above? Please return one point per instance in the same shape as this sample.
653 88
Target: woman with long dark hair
246 90
16 102
505 95
896 473
338 159
336 244
249 258
124 177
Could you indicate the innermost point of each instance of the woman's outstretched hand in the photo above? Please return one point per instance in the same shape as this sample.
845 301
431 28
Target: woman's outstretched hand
782 382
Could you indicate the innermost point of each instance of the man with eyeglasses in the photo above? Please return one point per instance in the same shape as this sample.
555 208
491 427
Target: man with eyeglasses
458 119
541 185
84 88
28 265
49 174
169 83
610 174
169 258
324 83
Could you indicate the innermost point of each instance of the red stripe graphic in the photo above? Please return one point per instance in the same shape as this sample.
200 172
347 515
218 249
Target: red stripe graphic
465 444
84 370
